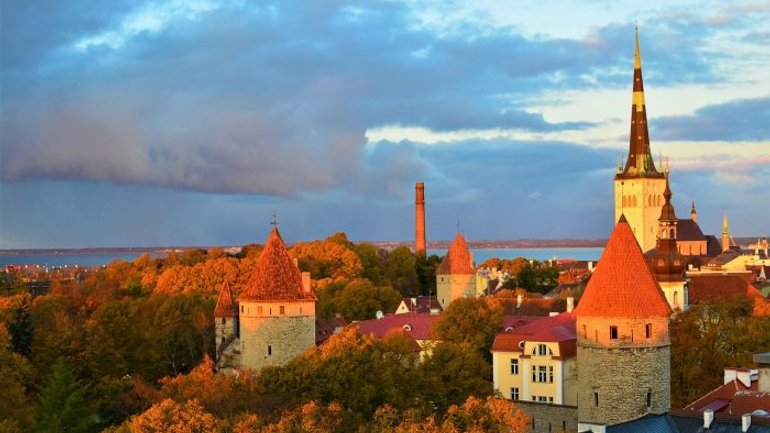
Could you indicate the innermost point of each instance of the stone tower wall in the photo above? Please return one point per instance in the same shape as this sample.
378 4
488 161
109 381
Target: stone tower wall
451 287
224 328
641 206
270 338
622 370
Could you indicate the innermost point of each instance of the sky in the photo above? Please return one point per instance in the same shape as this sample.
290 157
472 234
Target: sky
190 122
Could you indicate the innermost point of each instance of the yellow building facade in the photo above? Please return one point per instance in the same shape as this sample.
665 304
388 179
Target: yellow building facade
537 362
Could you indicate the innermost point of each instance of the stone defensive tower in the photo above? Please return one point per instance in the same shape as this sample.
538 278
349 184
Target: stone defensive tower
665 260
639 185
276 309
623 345
225 326
419 218
456 276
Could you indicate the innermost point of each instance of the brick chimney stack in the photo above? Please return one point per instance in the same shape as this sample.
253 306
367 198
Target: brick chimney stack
419 218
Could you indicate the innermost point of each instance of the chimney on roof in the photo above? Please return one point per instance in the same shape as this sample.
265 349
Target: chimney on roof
708 418
519 299
745 422
306 282
763 365
570 304
590 266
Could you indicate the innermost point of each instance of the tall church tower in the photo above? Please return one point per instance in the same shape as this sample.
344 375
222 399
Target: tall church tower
639 185
623 343
277 309
665 260
456 276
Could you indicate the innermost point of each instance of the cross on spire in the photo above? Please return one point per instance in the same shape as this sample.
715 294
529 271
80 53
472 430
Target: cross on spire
274 221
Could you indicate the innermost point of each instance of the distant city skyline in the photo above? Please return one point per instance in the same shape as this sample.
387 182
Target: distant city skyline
191 122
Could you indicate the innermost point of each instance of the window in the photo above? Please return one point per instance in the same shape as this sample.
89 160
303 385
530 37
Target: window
613 332
269 350
259 311
534 374
223 320
282 310
596 398
542 399
550 374
542 374
649 398
648 330
541 350
241 309
514 366
270 311
514 393
585 332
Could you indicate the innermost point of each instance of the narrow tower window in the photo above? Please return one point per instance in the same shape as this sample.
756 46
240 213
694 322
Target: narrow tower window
649 397
613 332
648 330
596 398
281 309
269 350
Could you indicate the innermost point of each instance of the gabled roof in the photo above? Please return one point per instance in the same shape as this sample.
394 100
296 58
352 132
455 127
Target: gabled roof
622 284
275 276
689 230
421 304
714 288
734 398
554 329
226 306
419 325
457 260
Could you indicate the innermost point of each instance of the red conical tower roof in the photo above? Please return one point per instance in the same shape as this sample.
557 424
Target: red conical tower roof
275 277
457 259
226 303
622 284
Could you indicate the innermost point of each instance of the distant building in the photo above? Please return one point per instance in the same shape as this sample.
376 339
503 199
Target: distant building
274 319
456 275
419 304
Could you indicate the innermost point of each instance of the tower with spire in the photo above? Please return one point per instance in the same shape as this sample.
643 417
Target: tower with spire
665 260
623 342
456 275
275 313
639 184
725 233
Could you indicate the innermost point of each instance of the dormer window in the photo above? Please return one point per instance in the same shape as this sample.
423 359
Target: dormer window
541 350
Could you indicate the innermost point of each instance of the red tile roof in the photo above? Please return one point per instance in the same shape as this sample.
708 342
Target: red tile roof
559 328
740 399
419 325
714 288
622 284
226 306
275 276
325 328
457 259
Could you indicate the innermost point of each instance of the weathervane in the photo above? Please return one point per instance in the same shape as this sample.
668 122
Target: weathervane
274 221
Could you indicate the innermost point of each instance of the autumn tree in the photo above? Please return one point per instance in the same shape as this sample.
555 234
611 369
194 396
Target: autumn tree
169 416
426 272
329 258
311 417
454 371
15 377
373 262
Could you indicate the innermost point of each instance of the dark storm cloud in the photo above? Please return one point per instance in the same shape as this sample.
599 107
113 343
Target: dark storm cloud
738 120
273 99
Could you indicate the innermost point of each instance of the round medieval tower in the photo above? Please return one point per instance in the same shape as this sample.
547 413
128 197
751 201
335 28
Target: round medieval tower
623 345
456 276
276 309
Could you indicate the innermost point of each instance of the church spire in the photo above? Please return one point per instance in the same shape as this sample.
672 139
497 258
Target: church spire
640 162
725 233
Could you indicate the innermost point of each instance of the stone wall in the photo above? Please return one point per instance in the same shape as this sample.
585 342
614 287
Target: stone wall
275 340
451 287
622 377
644 198
550 418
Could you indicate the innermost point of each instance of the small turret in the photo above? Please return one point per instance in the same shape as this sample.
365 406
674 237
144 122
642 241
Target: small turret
693 214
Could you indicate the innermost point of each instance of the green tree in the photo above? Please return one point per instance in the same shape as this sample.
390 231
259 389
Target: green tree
426 273
402 271
21 327
454 371
63 406
472 321
374 263
358 300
